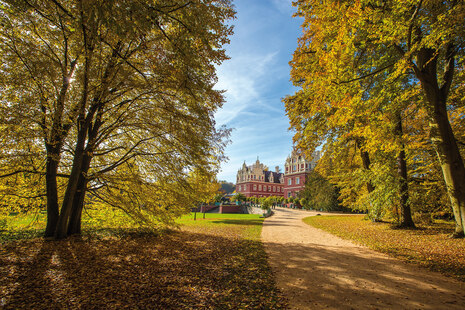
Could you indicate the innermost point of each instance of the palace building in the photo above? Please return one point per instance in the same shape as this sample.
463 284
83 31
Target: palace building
257 181
296 170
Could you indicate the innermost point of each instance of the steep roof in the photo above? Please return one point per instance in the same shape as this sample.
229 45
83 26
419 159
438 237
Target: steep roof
276 176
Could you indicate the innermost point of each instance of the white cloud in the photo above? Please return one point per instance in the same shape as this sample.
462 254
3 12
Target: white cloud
239 78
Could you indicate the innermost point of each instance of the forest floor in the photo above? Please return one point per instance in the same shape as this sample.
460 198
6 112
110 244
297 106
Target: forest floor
315 269
213 263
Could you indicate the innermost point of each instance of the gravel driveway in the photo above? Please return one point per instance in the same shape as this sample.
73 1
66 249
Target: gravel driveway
316 270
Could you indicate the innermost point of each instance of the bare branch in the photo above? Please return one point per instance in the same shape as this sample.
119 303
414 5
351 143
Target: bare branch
365 76
410 28
449 70
61 7
32 172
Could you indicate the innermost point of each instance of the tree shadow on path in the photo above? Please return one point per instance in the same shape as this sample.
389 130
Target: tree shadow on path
316 276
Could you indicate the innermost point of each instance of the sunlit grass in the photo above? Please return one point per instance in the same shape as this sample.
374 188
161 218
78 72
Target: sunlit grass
109 221
32 224
429 245
247 226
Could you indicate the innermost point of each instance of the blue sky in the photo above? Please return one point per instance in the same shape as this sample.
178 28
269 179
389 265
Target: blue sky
255 79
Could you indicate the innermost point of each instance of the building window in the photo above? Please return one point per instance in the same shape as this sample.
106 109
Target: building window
274 188
294 168
269 188
288 194
245 188
289 181
255 187
240 187
297 180
259 187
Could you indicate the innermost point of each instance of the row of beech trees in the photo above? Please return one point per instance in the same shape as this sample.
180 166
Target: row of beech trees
110 102
381 88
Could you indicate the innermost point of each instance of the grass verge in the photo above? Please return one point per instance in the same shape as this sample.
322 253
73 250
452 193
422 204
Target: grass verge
216 263
428 245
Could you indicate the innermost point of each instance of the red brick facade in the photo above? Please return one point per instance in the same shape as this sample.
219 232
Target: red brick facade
296 169
294 183
260 189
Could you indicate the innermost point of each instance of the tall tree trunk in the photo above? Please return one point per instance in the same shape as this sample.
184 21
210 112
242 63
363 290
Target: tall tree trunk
74 226
366 164
452 166
52 192
365 156
441 133
406 213
89 131
63 220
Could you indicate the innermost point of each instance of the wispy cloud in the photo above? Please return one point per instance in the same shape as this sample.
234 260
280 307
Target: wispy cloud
255 79
240 77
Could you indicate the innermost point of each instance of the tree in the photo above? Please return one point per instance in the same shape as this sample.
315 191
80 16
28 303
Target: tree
319 193
239 197
266 203
114 83
352 51
227 187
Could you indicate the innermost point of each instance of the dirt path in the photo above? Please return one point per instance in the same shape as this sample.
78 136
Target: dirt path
315 270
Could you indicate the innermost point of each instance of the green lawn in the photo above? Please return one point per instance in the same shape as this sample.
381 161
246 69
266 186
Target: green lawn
32 224
247 226
428 245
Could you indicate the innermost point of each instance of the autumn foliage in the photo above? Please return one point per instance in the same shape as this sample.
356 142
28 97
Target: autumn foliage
110 103
381 91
